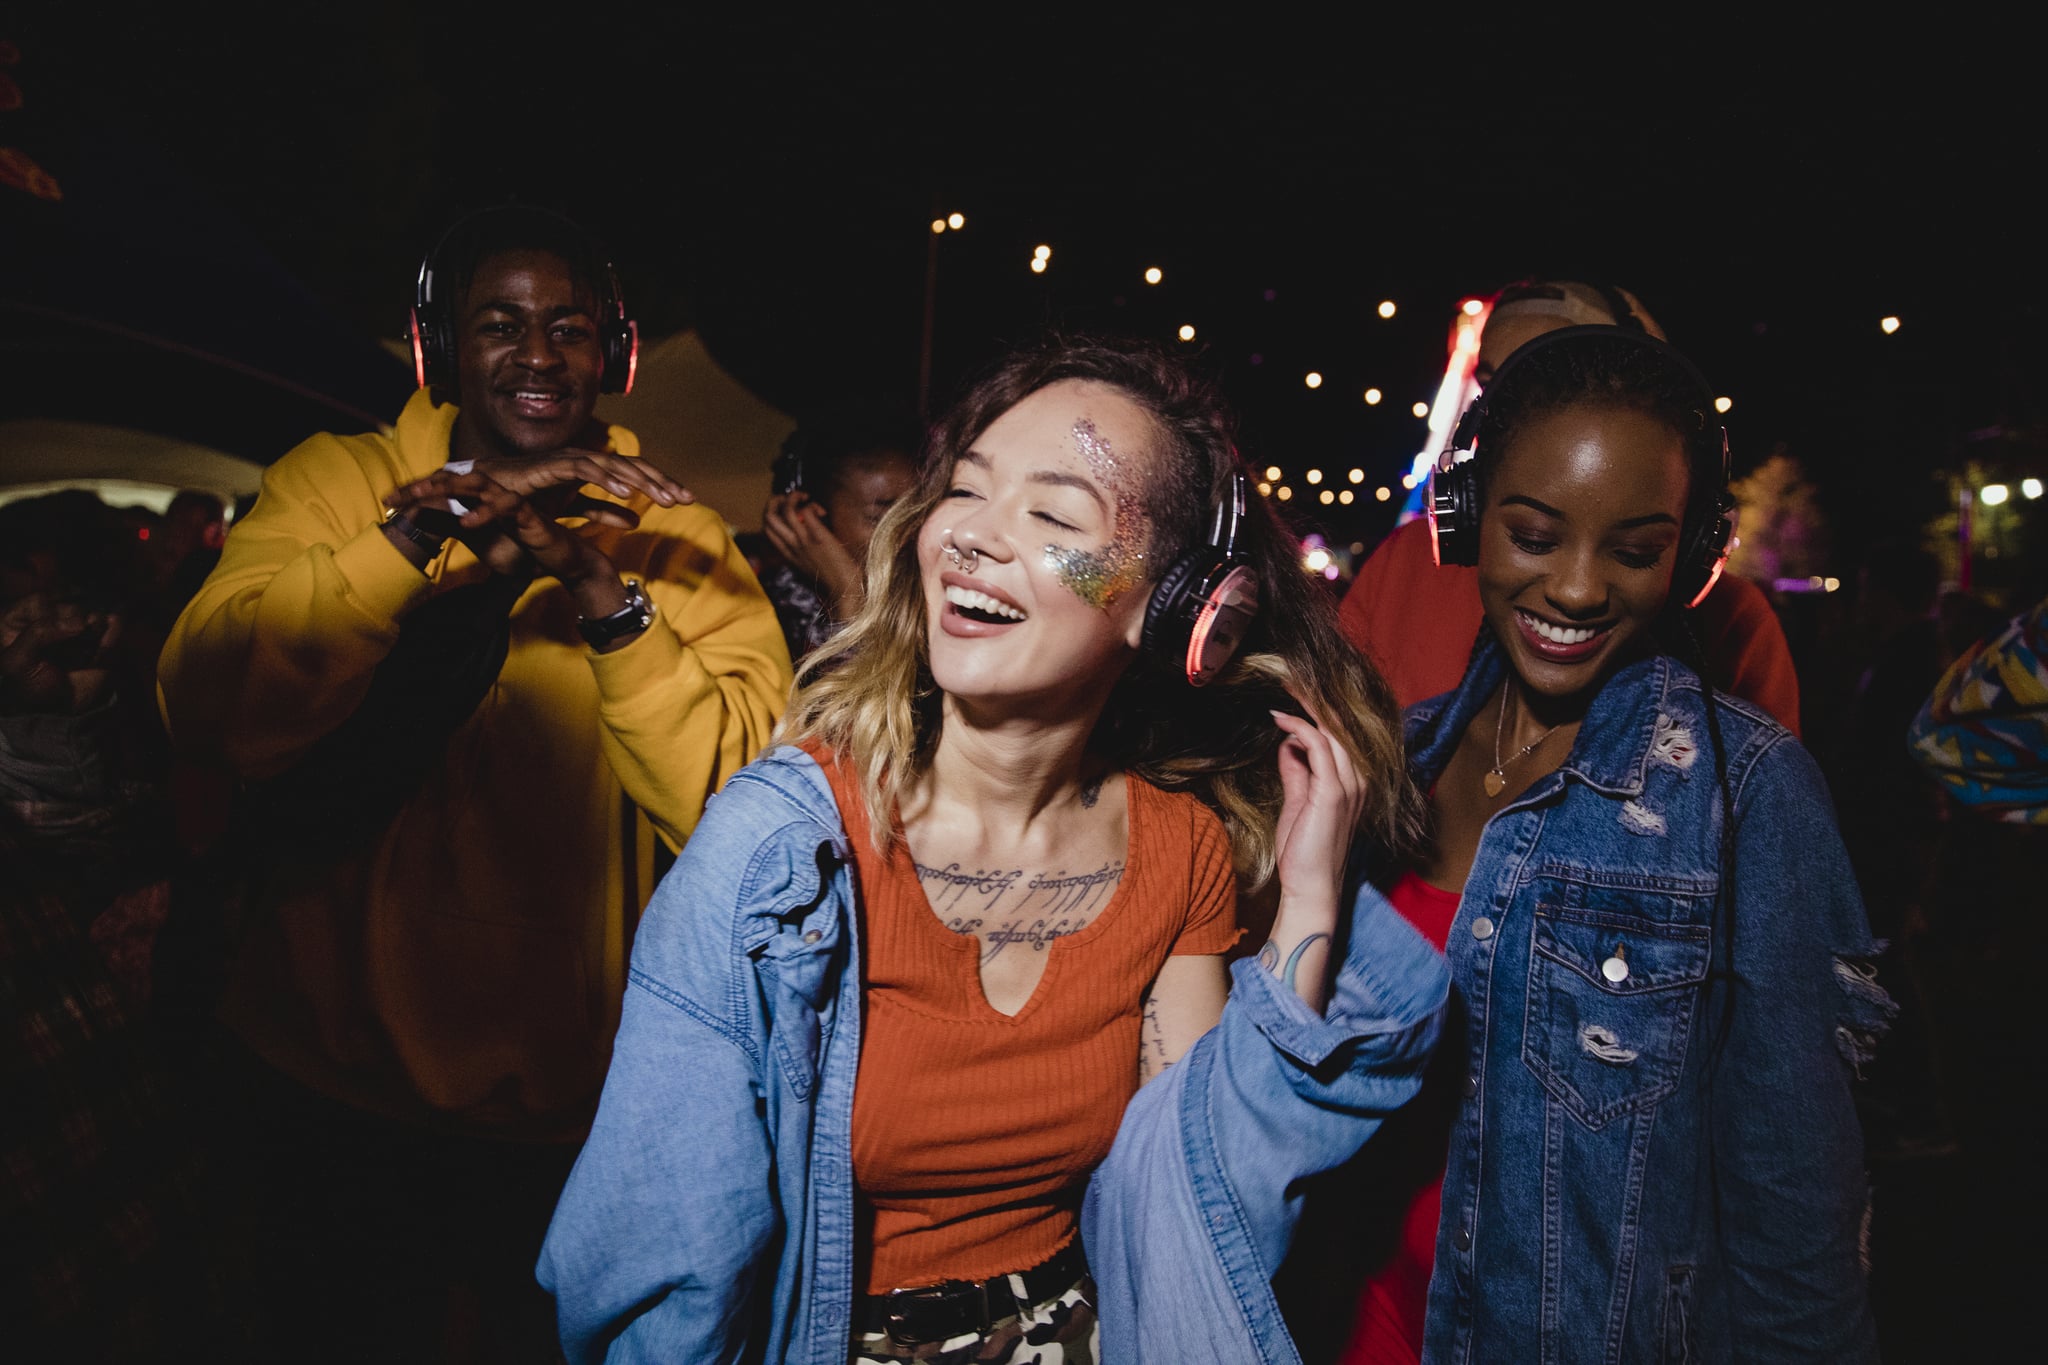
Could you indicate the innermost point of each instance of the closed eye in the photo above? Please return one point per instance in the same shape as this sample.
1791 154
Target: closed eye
1639 559
1052 520
1532 545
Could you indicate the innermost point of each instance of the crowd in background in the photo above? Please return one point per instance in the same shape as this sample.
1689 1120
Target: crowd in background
111 844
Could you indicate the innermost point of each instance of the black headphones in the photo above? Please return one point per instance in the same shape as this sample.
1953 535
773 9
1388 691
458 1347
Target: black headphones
1454 502
786 475
1207 599
432 322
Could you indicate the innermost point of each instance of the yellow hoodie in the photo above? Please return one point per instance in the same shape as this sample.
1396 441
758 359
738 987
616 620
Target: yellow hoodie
468 969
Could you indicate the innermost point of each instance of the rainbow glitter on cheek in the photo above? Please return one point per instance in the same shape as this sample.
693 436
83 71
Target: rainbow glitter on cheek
1099 577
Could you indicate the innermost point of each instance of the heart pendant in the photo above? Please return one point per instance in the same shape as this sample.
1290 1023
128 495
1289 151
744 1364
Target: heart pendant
1494 781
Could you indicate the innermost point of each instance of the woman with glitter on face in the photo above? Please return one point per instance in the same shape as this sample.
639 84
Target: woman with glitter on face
932 1051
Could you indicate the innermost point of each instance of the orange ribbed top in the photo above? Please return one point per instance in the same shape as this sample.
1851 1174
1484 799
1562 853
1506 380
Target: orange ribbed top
974 1132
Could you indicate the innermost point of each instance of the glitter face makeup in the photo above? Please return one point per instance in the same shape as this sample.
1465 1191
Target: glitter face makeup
1099 577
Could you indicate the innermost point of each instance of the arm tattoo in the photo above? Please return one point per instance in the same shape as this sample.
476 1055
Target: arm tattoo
1286 974
1269 958
1152 1056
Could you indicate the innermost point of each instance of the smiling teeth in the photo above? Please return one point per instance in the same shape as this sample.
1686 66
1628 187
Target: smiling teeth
531 396
1559 635
981 601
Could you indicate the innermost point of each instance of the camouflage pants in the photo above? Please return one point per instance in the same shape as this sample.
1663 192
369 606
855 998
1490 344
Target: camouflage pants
1058 1331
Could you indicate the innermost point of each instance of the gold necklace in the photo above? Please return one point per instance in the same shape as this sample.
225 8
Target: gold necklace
1496 779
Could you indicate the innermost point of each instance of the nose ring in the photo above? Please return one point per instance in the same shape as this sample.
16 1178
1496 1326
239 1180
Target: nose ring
967 560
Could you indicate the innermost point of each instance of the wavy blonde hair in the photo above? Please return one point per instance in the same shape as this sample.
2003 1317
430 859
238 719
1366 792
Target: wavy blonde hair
868 693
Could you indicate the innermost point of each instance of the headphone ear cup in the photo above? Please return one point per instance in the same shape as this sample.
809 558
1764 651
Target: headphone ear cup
1167 623
1706 556
1454 513
433 348
621 356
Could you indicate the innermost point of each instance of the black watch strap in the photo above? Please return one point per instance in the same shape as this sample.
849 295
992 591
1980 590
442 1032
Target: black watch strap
427 541
637 615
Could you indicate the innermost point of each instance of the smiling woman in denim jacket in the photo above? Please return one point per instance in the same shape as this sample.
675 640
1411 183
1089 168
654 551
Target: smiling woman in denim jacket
936 997
1637 1142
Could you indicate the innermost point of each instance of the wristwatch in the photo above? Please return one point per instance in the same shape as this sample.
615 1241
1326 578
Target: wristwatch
637 615
429 543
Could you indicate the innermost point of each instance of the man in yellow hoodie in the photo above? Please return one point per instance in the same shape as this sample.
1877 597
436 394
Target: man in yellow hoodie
436 942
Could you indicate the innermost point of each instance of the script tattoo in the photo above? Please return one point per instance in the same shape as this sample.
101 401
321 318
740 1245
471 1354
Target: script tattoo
946 886
1003 908
1152 1058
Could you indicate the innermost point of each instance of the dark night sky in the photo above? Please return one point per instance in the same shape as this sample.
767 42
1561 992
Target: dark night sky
1770 192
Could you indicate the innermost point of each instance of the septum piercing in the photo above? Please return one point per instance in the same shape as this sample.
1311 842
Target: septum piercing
967 561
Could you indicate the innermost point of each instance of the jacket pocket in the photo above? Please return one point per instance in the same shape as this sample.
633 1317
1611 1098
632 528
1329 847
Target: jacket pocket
1677 1325
799 969
1611 999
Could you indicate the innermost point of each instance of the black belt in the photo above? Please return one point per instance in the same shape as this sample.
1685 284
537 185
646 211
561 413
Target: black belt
954 1308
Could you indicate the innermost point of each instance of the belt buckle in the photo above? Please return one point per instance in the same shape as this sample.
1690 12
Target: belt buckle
905 1304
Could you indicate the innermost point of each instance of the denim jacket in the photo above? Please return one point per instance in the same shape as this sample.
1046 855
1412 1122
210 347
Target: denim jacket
711 1215
1656 1157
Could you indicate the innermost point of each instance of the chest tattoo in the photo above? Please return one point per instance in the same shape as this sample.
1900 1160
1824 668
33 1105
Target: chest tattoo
1005 906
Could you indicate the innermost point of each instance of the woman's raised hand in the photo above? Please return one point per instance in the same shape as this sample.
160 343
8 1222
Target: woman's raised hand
1323 798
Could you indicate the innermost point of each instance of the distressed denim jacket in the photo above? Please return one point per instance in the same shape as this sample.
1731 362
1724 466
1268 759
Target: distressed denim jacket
711 1215
1656 1157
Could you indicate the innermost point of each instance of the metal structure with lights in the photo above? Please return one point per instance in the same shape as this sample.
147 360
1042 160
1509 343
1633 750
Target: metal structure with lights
1187 331
1453 395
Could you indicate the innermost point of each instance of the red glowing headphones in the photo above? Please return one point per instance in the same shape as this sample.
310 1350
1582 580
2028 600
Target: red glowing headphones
1207 599
431 325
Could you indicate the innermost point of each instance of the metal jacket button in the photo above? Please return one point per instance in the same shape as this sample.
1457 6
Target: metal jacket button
1482 928
1463 1239
812 936
1471 1086
1615 968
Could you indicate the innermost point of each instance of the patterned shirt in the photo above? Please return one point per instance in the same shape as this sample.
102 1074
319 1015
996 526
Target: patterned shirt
1984 733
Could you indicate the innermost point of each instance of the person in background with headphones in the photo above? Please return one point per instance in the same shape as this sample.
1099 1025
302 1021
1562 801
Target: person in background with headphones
874 1088
834 481
470 669
1417 622
1638 1141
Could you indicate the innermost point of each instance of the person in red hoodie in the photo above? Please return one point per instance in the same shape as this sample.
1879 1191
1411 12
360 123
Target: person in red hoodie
1416 620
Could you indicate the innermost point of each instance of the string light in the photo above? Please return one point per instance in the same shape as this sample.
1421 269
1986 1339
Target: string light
2031 487
1386 308
1153 274
1410 479
1420 409
1723 403
1265 489
1273 472
1993 494
1382 493
1187 331
1315 559
1356 476
1831 585
1038 265
1328 497
1372 397
938 225
1346 497
1284 493
956 221
1043 253
1313 379
1888 325
1314 476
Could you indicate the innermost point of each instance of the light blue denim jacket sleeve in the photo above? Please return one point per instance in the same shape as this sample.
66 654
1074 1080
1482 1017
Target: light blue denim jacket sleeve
1191 1214
710 1216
